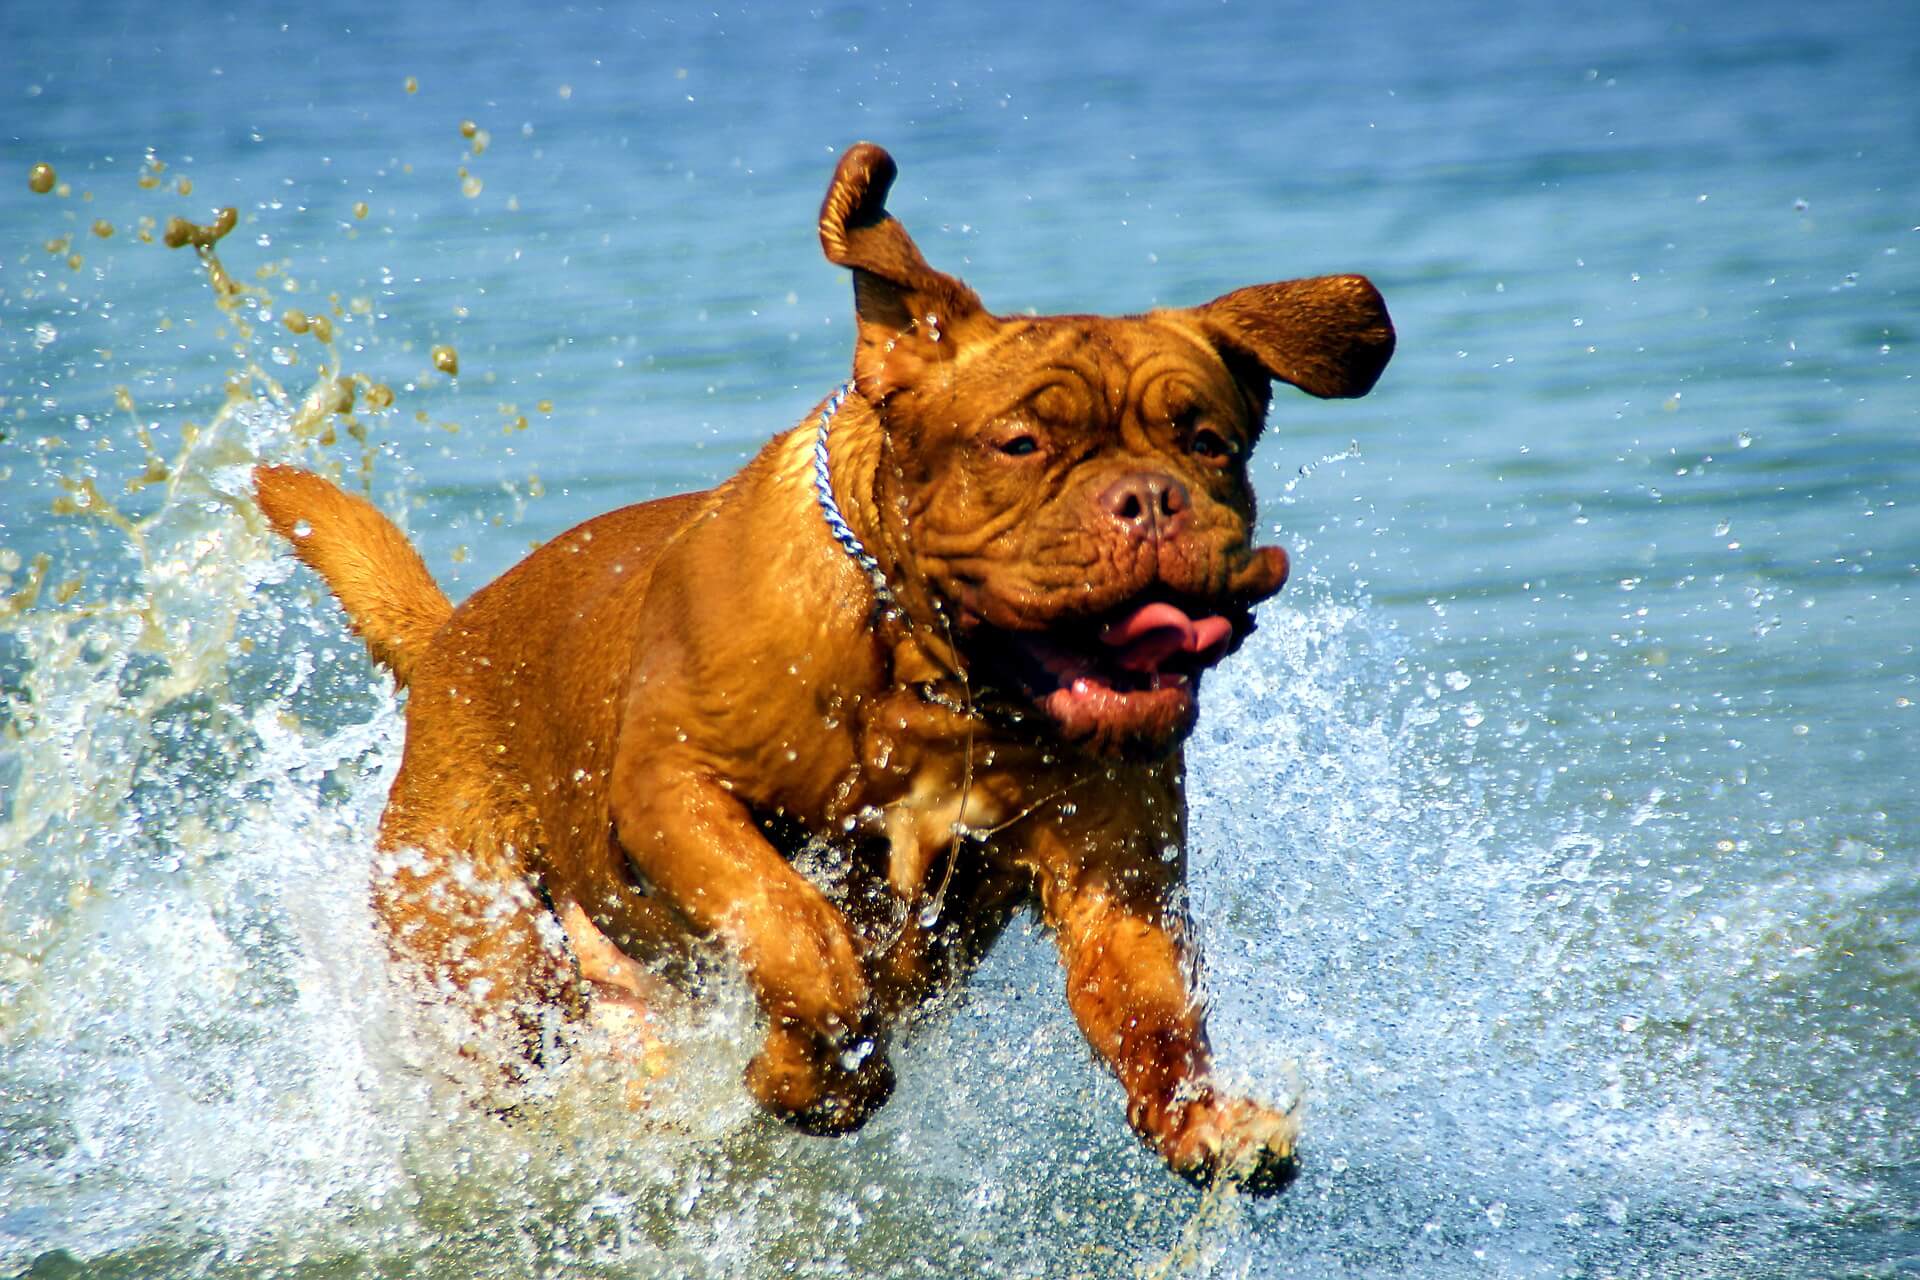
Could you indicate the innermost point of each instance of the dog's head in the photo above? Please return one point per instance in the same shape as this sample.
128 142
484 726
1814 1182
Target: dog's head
1072 490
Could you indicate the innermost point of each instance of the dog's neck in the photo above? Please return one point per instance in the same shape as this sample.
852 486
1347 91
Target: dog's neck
906 613
830 506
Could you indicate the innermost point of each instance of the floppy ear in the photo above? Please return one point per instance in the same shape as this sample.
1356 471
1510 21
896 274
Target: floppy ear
910 316
1330 336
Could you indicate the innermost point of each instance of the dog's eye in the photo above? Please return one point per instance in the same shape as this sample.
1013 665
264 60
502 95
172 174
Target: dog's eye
1208 443
1018 446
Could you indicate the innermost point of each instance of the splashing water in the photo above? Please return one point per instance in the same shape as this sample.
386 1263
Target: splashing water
196 1009
208 1067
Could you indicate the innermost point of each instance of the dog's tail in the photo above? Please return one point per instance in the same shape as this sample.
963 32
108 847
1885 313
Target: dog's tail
381 581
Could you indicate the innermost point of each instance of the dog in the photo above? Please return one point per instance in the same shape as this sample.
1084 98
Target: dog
945 638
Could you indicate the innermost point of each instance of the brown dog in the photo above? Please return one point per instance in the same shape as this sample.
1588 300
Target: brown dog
952 656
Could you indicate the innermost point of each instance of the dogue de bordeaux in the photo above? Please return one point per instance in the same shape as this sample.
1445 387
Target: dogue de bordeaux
944 638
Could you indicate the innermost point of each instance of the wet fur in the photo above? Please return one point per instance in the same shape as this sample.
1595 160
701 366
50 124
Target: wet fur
616 748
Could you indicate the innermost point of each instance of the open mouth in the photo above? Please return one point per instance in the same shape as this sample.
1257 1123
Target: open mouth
1128 675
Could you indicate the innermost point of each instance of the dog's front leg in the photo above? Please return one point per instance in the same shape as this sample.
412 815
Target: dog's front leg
1122 939
823 1067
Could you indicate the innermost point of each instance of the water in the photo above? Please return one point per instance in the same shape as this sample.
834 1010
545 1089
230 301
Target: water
1555 835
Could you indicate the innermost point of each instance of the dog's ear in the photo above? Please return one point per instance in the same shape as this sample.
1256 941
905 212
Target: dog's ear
1330 336
910 315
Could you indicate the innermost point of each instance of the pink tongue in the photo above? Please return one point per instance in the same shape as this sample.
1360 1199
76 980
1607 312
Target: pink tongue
1155 632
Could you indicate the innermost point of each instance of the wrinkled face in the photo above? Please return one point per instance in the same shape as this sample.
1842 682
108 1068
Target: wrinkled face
1076 489
1073 488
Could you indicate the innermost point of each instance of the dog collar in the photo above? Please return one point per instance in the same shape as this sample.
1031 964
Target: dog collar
830 509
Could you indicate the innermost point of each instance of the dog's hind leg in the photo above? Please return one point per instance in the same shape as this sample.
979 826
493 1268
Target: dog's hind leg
625 999
454 890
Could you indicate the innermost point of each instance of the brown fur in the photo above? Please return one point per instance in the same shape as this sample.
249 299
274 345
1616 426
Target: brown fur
381 581
650 715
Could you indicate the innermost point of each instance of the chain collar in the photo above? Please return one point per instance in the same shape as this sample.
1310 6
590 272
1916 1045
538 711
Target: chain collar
830 508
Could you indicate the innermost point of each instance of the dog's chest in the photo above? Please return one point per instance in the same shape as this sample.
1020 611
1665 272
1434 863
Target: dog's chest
930 778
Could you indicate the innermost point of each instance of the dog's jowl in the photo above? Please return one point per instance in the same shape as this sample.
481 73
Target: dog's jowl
952 627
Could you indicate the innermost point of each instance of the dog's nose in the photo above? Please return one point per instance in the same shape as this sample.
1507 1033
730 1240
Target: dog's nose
1148 504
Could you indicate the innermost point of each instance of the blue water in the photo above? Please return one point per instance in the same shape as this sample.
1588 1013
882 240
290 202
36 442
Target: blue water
1555 837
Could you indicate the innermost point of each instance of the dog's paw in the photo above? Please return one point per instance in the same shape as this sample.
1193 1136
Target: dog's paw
820 1085
629 1032
623 1003
1236 1139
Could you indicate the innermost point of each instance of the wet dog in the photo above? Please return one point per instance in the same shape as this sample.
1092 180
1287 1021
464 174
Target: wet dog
945 638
